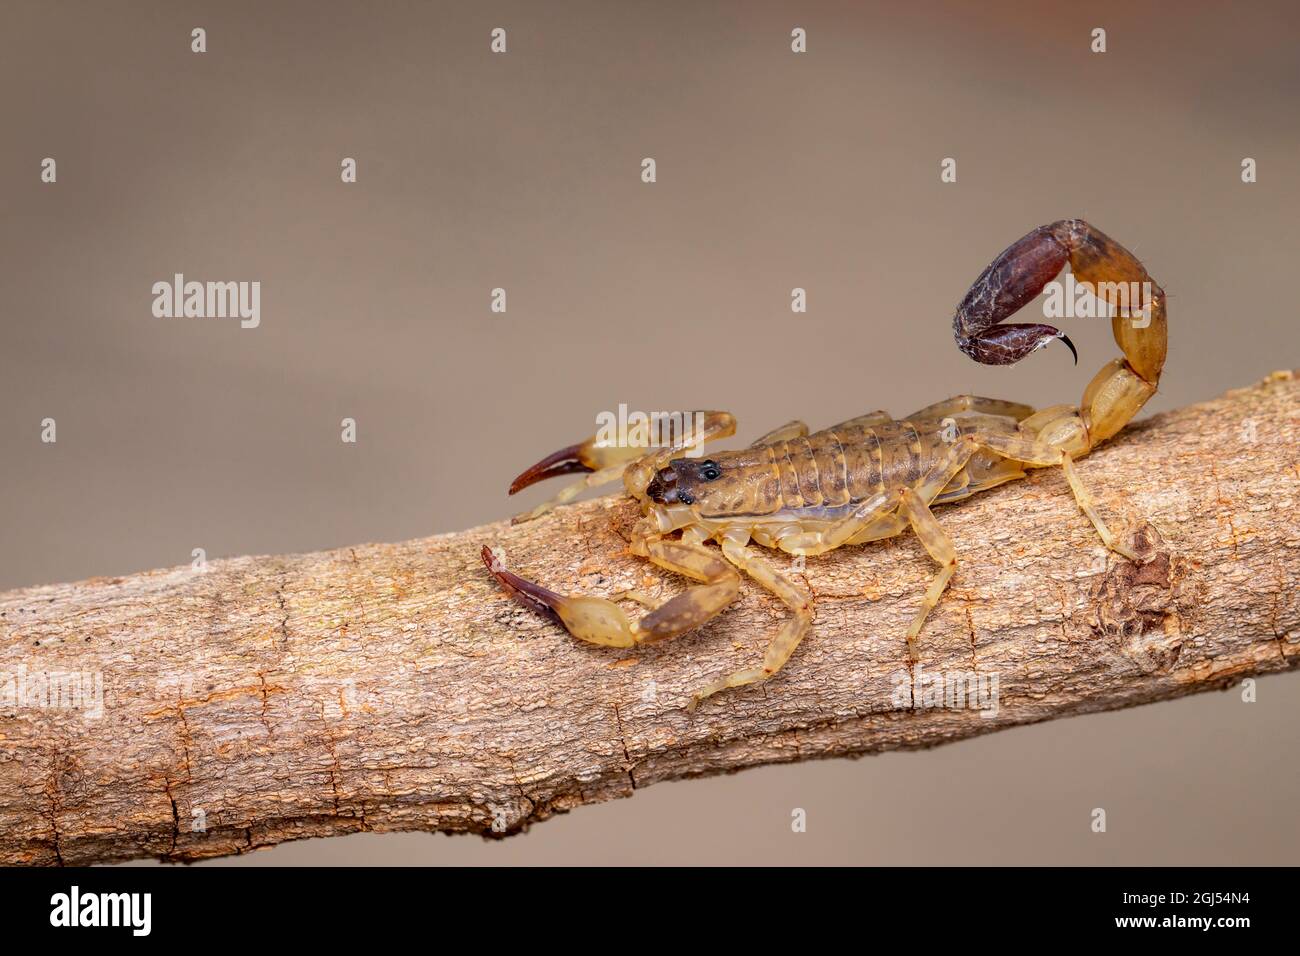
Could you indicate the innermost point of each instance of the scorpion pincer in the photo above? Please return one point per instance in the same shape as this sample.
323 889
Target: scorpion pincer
868 478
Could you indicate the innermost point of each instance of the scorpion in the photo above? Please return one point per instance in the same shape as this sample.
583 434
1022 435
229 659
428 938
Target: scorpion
869 478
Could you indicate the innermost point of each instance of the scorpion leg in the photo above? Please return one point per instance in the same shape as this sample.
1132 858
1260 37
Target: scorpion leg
1060 427
945 469
600 621
878 417
640 597
974 403
916 507
787 637
1088 506
913 505
787 432
939 546
812 543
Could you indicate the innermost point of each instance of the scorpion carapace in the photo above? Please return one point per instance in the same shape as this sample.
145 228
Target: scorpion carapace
868 478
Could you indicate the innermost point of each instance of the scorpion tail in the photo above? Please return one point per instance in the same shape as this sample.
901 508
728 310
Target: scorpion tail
1112 274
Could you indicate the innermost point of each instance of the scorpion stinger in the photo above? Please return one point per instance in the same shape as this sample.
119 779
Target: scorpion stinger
867 478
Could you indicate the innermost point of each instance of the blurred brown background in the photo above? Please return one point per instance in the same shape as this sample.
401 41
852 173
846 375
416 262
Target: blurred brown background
522 170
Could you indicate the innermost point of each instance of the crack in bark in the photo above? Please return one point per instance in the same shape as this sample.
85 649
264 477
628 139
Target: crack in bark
622 739
1224 502
335 768
533 805
261 676
970 631
185 737
176 817
55 807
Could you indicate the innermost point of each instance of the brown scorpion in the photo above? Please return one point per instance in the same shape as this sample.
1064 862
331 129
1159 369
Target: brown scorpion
868 478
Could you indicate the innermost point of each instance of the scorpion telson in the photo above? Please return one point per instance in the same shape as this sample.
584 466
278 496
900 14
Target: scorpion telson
868 478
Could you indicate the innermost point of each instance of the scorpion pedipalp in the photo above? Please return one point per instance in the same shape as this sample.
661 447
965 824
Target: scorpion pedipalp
599 462
533 596
601 621
566 461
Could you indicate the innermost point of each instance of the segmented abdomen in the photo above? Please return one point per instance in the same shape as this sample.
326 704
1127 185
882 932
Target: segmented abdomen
851 463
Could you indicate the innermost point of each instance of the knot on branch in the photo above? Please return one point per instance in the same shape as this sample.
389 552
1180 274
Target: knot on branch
1135 605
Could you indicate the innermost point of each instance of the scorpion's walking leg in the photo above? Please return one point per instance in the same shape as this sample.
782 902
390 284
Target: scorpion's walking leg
600 621
1089 507
939 546
787 432
812 543
916 507
787 637
878 417
1044 454
974 403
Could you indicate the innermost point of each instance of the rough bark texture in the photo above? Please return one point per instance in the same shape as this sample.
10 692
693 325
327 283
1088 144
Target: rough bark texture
394 687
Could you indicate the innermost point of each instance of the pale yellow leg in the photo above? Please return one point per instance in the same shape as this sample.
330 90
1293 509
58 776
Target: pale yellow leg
787 637
937 543
813 543
1037 451
974 403
946 469
787 432
1021 448
878 417
640 597
1088 506
1052 437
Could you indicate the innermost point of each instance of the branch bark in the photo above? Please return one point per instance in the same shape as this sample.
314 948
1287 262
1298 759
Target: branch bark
394 687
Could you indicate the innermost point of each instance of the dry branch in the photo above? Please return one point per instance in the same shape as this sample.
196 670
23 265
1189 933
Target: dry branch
394 687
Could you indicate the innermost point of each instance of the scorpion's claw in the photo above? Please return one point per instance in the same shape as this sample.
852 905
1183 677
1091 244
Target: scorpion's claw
566 461
600 463
532 596
585 457
602 459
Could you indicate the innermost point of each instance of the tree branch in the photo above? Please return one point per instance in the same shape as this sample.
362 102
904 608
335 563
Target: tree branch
394 687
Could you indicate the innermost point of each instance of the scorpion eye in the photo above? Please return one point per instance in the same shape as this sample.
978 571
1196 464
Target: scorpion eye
709 471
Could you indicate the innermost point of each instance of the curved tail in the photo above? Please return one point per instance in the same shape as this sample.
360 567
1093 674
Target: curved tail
1112 274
